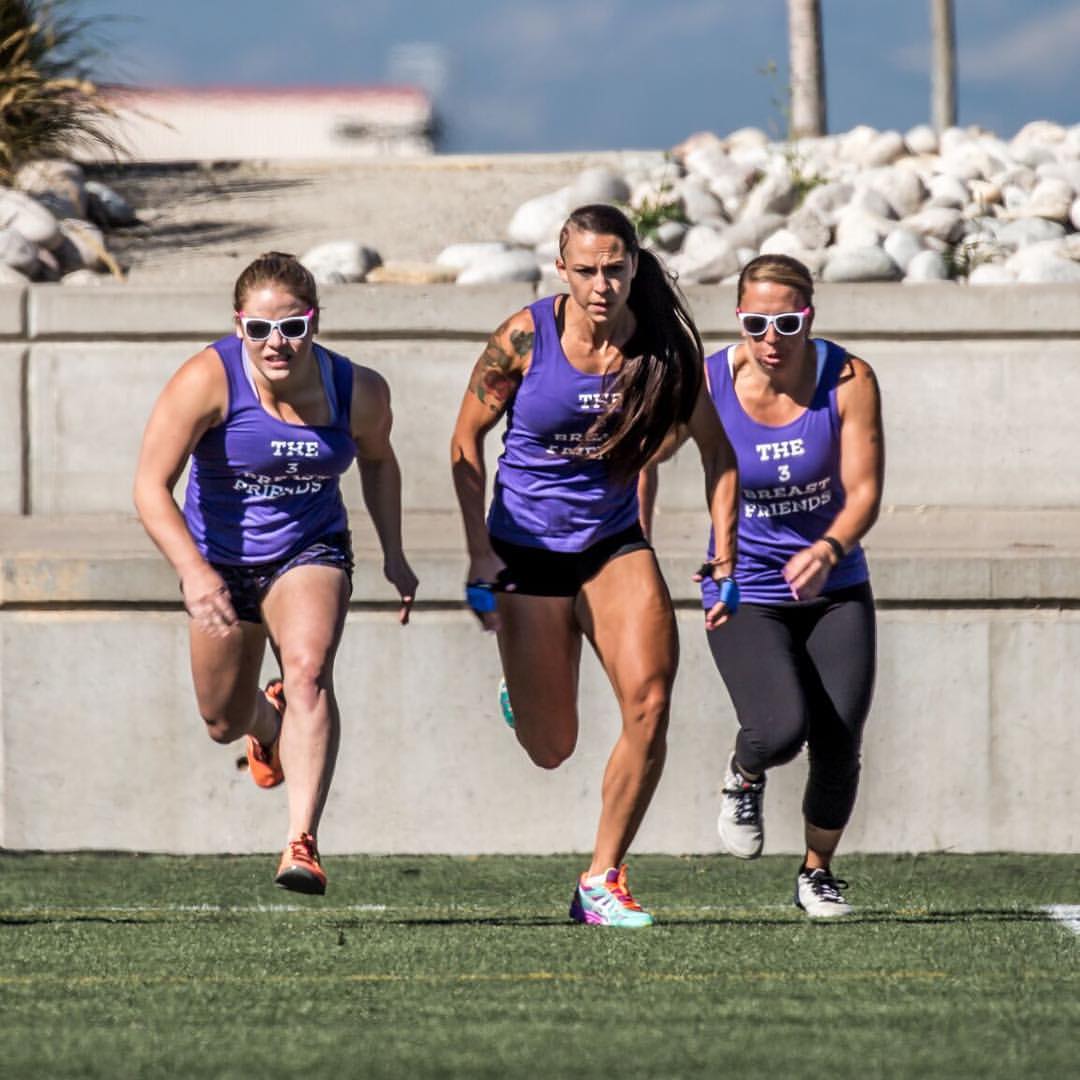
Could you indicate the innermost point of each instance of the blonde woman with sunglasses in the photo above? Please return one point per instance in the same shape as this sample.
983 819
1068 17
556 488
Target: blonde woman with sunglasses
270 421
804 417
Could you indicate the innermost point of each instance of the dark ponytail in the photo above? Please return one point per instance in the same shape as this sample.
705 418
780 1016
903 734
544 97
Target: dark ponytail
659 385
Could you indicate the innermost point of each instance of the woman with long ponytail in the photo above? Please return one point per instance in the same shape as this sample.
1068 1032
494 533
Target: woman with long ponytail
593 383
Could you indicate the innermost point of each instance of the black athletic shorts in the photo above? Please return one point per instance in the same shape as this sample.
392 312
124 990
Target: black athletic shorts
537 571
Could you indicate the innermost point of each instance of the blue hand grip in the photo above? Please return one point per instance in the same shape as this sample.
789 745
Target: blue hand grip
729 594
480 596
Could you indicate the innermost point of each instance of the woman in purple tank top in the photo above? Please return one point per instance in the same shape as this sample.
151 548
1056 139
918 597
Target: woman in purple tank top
270 421
592 384
804 417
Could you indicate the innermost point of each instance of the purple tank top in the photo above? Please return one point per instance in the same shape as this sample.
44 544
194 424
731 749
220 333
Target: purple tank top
790 481
259 489
550 490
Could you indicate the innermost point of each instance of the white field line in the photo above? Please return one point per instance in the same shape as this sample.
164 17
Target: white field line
1066 914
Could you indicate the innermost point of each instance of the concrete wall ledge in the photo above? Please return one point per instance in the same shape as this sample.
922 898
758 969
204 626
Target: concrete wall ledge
118 311
919 555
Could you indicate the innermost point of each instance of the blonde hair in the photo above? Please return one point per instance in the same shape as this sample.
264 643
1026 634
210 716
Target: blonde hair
781 269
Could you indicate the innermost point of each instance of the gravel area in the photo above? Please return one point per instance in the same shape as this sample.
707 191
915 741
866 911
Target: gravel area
202 224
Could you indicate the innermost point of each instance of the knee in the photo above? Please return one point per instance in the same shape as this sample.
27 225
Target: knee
646 711
223 728
549 751
306 675
777 741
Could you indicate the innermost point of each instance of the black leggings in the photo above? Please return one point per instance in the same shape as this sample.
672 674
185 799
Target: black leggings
803 673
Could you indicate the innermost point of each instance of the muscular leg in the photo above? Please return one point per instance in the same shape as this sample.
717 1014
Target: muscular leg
225 671
305 614
626 613
540 648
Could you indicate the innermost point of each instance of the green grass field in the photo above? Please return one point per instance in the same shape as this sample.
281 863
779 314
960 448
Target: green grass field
150 966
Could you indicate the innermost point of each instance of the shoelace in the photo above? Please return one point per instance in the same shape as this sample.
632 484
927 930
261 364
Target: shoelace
826 887
747 802
303 850
622 892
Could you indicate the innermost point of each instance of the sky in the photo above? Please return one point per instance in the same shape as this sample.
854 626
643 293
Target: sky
558 75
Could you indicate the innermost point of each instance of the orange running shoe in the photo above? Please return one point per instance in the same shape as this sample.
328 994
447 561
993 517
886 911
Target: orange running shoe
264 762
300 869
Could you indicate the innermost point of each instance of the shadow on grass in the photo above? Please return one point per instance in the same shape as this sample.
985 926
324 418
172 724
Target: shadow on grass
869 918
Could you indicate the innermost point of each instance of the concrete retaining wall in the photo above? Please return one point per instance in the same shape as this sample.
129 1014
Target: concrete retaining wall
976 562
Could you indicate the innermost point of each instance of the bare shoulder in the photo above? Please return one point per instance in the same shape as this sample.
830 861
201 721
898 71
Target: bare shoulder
200 384
857 391
858 376
370 407
514 338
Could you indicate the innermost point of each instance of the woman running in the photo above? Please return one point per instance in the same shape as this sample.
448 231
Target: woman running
592 383
804 417
270 421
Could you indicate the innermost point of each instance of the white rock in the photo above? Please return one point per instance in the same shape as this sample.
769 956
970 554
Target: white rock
984 193
922 139
937 221
459 256
991 274
948 190
781 242
58 185
84 277
515 265
29 218
902 245
706 256
17 252
339 261
1074 214
747 138
872 202
699 203
10 276
1020 176
927 266
598 184
860 264
774 194
1024 232
749 231
1031 154
828 198
1050 270
902 188
541 218
860 229
107 207
670 234
810 229
883 149
699 142
855 143
1052 199
1041 132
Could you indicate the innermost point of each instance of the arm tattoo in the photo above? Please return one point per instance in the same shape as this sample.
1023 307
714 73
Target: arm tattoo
494 382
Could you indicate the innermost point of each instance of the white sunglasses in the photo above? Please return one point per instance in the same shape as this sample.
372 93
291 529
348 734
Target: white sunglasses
291 328
787 323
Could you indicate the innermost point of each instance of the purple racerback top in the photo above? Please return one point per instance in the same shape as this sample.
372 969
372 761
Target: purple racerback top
790 481
260 489
550 491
